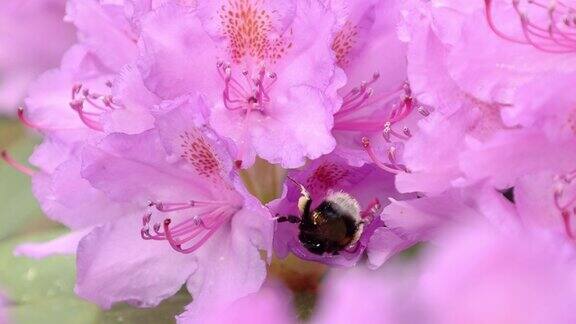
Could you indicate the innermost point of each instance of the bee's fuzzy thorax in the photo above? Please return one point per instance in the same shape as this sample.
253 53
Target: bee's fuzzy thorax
345 202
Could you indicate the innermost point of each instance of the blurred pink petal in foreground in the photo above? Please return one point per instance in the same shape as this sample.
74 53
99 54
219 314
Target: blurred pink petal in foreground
33 37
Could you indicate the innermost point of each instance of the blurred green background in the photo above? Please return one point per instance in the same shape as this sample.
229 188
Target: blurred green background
41 291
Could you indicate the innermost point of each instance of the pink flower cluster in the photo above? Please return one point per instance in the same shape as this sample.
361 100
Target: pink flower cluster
450 122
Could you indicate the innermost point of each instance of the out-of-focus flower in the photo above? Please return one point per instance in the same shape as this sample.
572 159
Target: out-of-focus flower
34 36
473 275
479 276
271 304
368 185
362 296
265 67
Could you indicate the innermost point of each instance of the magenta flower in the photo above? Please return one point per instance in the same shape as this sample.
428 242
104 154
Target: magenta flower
369 186
25 53
201 228
262 66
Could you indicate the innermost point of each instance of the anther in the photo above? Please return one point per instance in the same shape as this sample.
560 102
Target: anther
374 158
146 219
406 131
423 111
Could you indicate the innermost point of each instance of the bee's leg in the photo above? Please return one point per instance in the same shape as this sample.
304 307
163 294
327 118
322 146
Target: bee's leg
305 201
289 218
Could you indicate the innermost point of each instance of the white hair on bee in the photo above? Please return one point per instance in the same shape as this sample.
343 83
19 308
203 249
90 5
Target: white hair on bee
345 202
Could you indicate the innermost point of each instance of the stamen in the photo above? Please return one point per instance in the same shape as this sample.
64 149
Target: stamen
16 165
25 121
98 104
423 111
254 95
552 38
389 131
375 160
566 208
195 229
357 97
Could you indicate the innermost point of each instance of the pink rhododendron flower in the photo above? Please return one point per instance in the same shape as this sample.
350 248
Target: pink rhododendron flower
460 120
202 228
30 48
369 186
78 104
265 67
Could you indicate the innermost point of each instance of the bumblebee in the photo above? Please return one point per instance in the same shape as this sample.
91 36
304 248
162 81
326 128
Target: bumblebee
334 225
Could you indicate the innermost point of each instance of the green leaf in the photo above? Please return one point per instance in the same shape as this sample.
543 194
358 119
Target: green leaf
27 280
57 310
41 291
163 313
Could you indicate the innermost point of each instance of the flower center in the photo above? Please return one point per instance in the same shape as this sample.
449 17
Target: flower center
326 176
548 27
246 91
